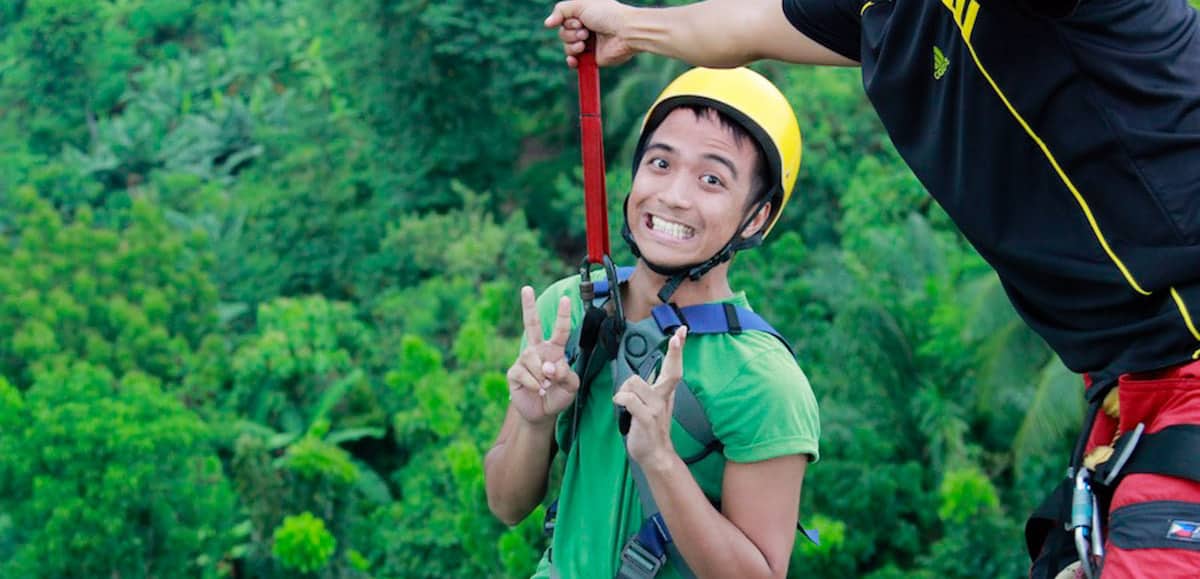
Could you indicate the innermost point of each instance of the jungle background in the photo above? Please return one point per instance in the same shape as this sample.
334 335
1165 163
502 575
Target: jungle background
259 271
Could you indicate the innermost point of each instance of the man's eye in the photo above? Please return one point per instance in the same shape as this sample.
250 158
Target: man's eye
659 163
713 180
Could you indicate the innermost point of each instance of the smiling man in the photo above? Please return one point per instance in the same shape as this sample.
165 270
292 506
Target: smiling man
715 165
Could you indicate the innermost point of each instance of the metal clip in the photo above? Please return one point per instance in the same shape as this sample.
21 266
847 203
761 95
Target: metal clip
638 562
1085 522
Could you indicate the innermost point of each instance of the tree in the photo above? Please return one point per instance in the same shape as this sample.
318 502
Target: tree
292 382
108 477
132 295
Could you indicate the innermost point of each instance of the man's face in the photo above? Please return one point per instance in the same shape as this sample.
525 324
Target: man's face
690 192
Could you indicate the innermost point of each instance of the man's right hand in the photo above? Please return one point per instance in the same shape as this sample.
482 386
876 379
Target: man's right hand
541 383
576 19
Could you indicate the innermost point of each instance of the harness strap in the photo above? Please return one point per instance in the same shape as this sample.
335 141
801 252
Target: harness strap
1170 452
720 318
640 353
716 318
587 352
691 417
639 350
645 553
603 286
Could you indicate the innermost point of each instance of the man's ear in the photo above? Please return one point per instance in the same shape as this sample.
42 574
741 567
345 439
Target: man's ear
759 221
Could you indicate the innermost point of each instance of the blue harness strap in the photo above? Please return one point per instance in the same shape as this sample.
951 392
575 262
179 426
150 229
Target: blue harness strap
713 319
702 318
602 286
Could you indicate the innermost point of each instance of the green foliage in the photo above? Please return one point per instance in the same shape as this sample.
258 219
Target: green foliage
825 558
303 543
510 78
134 296
295 379
966 493
262 258
64 69
313 458
302 349
109 477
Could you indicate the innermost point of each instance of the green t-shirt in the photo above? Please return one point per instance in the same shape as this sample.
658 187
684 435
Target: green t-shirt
752 391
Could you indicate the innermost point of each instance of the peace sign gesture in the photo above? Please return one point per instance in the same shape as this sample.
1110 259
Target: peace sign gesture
540 383
651 405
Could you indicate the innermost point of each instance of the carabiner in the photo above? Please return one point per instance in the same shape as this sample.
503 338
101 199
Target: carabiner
1085 522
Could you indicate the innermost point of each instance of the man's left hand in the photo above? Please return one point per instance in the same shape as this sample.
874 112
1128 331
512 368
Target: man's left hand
651 407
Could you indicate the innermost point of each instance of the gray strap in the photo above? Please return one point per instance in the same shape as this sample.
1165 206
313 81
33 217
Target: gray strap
649 509
640 353
690 415
635 354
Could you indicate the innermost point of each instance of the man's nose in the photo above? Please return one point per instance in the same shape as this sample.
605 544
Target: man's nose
677 193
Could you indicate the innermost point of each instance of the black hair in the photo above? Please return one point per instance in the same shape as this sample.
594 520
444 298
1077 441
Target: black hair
760 183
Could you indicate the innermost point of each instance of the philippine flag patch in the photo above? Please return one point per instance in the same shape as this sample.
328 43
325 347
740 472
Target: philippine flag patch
1184 531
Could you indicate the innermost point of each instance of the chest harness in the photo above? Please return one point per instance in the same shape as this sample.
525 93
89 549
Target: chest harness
638 348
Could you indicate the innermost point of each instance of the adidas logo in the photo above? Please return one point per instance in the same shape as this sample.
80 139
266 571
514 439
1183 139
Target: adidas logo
940 63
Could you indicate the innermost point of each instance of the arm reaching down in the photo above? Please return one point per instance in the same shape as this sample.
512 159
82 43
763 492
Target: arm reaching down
714 33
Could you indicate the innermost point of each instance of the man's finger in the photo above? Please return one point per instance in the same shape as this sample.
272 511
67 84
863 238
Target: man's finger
574 48
572 31
635 405
529 313
564 377
532 364
652 396
561 12
631 383
562 323
519 377
672 364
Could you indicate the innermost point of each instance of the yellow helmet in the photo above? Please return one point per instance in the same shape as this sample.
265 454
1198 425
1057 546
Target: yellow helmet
753 102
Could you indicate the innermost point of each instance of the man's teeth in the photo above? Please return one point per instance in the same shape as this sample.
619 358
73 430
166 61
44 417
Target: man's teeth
676 230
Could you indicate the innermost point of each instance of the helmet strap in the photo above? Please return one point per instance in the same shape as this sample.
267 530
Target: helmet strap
677 275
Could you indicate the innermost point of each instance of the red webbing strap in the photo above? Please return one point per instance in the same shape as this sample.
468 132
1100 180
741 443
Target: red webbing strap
592 141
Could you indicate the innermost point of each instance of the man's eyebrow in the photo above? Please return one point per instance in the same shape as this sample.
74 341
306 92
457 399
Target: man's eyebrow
663 146
724 161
